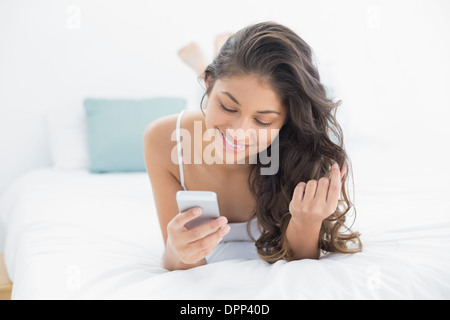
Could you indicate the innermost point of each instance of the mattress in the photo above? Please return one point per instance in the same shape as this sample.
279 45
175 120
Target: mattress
70 234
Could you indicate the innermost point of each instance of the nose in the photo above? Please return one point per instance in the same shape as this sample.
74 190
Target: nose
242 131
242 123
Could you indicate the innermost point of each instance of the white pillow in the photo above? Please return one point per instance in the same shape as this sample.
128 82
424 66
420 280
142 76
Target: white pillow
68 138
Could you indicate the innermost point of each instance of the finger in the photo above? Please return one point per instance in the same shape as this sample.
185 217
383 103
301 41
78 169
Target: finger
202 247
184 217
208 243
310 190
335 185
322 188
299 191
205 229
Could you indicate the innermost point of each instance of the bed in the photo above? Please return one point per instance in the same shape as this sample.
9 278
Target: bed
74 234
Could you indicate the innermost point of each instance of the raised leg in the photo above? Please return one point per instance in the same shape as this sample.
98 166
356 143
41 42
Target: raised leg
194 57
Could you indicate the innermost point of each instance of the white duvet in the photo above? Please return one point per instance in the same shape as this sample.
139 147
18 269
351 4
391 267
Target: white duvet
75 235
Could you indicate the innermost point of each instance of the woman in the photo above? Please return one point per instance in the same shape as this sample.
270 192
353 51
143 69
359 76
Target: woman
263 95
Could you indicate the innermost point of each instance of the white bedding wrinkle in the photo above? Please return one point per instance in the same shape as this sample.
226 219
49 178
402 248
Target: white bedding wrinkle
75 235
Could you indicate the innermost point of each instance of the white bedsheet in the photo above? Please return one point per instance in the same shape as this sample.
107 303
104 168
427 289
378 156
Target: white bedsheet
75 235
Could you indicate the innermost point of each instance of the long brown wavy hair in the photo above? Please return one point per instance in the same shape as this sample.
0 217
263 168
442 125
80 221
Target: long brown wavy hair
310 141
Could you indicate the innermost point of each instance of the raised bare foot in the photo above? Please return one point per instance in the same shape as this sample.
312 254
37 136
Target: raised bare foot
193 56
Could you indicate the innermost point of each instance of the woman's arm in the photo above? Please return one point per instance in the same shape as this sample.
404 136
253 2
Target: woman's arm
184 248
303 240
311 203
164 183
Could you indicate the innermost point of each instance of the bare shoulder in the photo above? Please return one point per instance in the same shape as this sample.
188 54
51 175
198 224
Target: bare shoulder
162 165
160 139
160 129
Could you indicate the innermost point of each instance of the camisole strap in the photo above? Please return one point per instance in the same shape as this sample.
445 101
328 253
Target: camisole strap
180 157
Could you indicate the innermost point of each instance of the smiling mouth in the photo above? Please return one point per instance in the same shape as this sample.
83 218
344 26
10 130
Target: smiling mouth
229 144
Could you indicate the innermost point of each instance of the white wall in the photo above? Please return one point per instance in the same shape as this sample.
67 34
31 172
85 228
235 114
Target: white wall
387 60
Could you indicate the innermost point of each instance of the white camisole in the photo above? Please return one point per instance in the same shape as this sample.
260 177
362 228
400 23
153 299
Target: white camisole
237 244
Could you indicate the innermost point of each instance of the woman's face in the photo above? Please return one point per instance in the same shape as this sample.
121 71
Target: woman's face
244 115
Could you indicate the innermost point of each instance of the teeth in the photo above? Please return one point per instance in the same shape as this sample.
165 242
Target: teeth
231 143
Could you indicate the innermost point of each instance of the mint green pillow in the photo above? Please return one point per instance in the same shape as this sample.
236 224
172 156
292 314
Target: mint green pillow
116 130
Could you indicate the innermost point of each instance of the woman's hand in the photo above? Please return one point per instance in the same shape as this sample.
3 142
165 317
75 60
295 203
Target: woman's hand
315 201
192 246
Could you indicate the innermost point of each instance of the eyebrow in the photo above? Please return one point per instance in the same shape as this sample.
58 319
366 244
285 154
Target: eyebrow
237 102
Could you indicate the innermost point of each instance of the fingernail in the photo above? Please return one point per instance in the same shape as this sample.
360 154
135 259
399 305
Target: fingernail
222 221
197 211
335 165
226 229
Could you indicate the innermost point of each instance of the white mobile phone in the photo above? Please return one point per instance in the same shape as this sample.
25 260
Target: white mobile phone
206 200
